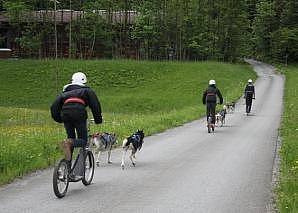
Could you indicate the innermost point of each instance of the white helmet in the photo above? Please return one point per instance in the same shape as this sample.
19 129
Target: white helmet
249 81
212 82
79 78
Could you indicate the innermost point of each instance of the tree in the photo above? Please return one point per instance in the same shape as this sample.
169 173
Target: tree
263 27
285 40
233 30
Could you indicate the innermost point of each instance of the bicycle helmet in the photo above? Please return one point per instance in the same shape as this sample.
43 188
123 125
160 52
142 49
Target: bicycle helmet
79 78
249 81
212 82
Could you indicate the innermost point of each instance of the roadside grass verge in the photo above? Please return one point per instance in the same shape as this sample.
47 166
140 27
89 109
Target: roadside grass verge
24 142
152 96
287 190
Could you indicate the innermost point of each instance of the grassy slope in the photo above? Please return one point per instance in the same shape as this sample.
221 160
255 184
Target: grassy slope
148 95
288 185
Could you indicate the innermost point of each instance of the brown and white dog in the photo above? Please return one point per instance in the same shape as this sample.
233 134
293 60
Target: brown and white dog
133 143
103 142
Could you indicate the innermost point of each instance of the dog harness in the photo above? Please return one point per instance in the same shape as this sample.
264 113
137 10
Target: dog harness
106 137
136 141
136 137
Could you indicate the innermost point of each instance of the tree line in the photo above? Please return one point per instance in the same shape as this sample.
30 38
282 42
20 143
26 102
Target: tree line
223 30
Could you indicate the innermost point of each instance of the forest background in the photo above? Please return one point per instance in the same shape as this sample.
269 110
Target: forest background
156 30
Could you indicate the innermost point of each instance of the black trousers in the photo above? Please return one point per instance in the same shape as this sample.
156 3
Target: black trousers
211 111
77 130
248 102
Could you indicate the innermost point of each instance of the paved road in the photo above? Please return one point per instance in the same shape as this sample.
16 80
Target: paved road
181 170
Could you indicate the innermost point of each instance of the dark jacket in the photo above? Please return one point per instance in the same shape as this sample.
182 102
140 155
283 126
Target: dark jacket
210 95
72 103
249 91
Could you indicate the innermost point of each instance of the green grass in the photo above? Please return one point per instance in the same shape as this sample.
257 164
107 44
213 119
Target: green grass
153 96
287 190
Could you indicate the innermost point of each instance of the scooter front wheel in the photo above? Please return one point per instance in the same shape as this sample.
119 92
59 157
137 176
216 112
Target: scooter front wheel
89 169
60 179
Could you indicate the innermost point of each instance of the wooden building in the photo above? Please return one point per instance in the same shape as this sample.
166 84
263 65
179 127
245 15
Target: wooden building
48 34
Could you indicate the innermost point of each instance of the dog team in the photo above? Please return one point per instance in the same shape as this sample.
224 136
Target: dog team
105 141
70 106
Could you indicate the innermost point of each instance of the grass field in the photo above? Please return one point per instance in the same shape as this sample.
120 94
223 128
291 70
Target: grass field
287 189
153 96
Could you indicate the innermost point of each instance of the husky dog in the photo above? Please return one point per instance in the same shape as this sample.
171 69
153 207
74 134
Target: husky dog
103 142
133 143
230 107
220 117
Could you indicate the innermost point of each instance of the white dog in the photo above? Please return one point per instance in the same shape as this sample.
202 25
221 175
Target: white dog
103 142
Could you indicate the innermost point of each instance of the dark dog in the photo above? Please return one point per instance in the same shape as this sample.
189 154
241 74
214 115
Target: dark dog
103 142
133 143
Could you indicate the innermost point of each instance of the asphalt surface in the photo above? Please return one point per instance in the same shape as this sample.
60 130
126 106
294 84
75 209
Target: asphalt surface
180 170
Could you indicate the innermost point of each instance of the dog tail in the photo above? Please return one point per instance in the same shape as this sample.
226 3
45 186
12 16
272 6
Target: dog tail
124 144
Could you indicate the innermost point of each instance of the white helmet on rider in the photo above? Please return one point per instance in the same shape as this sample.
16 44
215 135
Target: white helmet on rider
249 81
212 82
79 78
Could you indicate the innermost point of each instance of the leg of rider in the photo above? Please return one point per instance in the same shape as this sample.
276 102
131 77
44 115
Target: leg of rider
207 110
212 111
69 142
248 103
81 128
81 141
